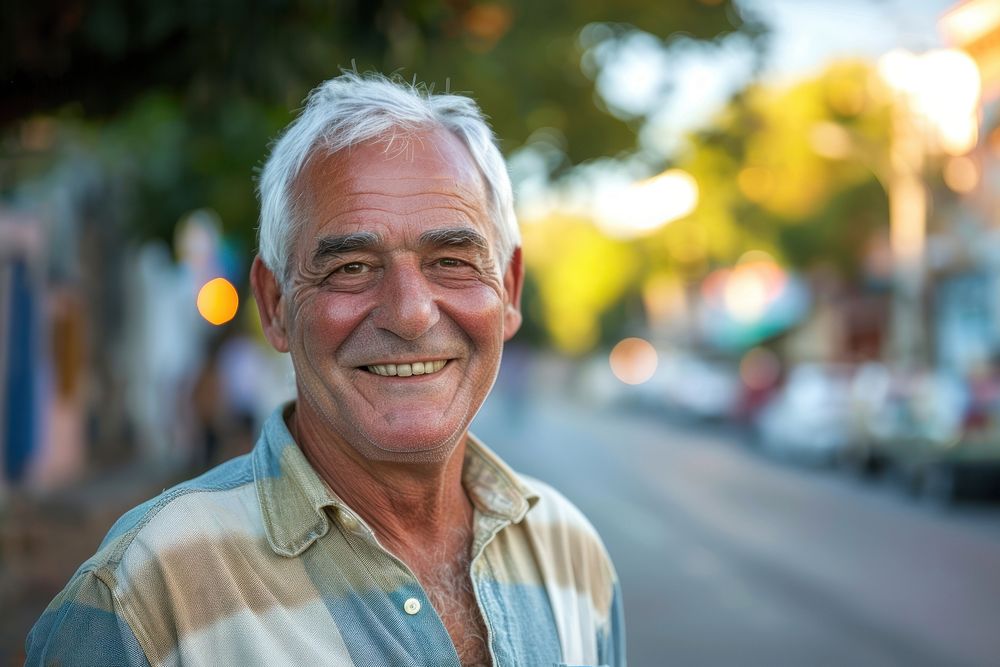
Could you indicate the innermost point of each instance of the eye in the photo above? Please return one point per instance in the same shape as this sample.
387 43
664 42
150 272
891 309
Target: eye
450 263
353 268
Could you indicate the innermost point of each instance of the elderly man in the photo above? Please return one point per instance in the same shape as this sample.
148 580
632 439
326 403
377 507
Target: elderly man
367 527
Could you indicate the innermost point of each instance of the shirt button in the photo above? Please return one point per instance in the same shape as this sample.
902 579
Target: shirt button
411 606
348 521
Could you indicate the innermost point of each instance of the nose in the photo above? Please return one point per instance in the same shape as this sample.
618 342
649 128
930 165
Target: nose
407 305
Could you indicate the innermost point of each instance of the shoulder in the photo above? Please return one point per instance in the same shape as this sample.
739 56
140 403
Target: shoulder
581 581
83 626
96 616
553 507
566 538
224 498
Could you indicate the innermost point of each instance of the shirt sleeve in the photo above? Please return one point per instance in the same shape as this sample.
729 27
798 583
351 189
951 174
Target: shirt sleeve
83 626
611 637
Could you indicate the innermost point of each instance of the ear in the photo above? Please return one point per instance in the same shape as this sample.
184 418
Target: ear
513 281
270 304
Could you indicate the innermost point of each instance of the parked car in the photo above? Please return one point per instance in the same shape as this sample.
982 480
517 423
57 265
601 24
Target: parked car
959 455
900 410
699 388
966 469
809 420
933 432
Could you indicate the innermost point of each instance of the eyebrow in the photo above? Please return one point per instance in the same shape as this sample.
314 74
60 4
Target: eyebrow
332 246
457 236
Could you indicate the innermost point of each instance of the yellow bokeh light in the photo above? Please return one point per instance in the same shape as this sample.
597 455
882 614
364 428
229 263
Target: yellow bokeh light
745 296
942 87
960 135
969 21
961 174
218 301
747 290
633 360
830 140
643 207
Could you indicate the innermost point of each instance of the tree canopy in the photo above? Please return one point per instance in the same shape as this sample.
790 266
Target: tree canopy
183 97
790 170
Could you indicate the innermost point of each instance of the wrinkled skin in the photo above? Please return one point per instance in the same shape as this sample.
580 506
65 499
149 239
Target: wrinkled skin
417 281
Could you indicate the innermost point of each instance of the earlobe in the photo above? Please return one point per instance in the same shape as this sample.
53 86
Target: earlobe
270 304
513 281
511 322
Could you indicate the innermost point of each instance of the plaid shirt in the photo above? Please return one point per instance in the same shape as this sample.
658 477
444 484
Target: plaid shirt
258 562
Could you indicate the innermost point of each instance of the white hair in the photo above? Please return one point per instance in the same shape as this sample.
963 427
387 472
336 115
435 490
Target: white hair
355 108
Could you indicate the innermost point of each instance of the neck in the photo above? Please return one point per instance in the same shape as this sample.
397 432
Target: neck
411 507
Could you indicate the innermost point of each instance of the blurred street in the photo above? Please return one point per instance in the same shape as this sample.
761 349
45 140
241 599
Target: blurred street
728 558
760 345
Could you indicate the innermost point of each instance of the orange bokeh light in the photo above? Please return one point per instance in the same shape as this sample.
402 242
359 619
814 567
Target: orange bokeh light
218 301
633 360
961 174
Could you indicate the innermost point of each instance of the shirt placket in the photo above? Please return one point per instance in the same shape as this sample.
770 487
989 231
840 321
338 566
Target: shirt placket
486 528
410 600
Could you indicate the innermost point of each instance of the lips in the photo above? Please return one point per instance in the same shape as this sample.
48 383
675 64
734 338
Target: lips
406 370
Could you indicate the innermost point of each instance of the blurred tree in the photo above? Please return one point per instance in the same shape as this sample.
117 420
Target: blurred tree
792 170
588 275
520 58
188 93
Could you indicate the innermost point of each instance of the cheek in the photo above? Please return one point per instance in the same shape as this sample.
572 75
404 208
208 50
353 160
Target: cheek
479 312
325 321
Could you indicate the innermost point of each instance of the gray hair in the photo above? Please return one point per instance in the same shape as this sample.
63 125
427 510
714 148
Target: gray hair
355 108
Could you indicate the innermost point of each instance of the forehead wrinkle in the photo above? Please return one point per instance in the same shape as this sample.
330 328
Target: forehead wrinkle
421 203
450 190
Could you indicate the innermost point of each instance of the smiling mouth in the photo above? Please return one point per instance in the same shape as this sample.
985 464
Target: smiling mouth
406 370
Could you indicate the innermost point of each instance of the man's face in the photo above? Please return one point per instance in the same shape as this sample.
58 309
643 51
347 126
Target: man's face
397 311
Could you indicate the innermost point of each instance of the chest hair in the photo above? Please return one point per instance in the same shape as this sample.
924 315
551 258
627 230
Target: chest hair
447 580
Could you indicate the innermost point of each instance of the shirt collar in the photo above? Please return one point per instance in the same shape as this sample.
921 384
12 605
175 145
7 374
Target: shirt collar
491 484
294 499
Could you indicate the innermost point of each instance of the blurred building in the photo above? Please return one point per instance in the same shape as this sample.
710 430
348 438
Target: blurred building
62 323
964 253
104 358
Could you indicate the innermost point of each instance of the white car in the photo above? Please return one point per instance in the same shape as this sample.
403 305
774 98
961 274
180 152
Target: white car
810 418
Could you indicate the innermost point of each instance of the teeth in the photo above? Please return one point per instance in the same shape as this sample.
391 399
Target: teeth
406 370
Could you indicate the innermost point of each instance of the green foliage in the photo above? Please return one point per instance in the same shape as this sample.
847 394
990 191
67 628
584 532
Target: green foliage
793 171
838 233
796 170
586 276
520 58
182 97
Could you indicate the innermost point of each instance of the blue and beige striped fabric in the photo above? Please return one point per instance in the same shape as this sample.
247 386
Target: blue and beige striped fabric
257 562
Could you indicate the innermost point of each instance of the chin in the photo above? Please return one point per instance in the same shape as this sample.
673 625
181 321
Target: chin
412 445
410 451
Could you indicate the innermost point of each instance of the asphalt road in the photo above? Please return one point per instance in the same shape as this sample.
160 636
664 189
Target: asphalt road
727 558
